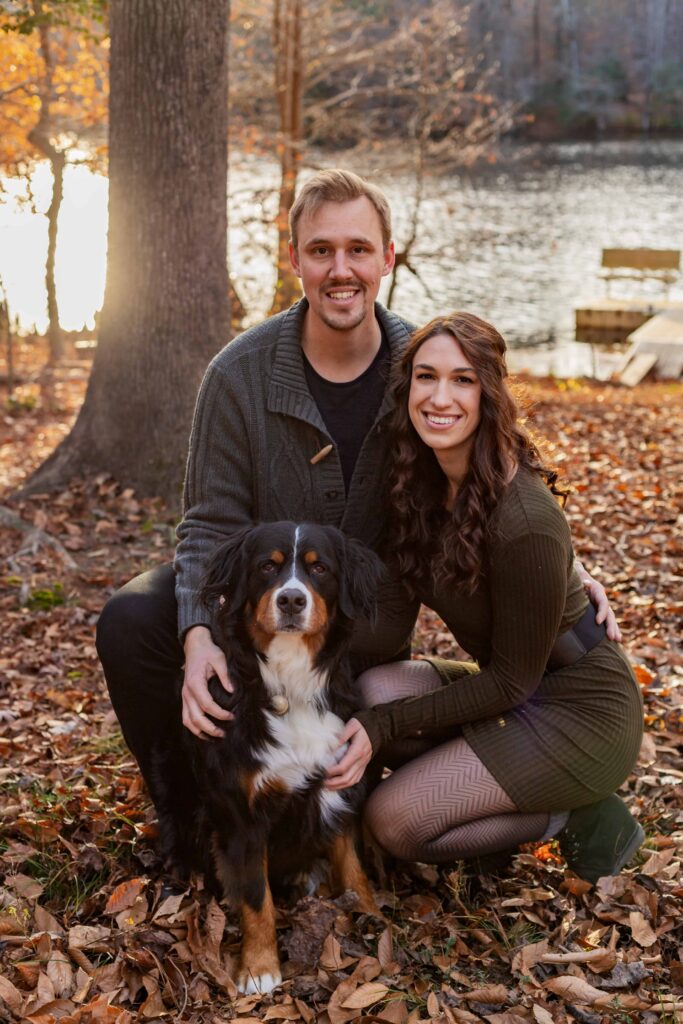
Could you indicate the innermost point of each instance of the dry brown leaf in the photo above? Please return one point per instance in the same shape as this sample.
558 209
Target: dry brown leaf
541 1015
133 915
282 1012
45 922
11 995
508 1017
433 1008
641 930
88 936
487 994
331 957
365 995
526 957
25 886
657 861
395 1012
575 990
153 1006
385 947
125 895
60 973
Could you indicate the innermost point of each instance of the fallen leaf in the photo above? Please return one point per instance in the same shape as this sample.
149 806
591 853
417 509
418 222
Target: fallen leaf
365 995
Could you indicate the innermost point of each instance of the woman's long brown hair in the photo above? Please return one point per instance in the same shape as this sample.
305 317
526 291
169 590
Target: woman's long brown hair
435 547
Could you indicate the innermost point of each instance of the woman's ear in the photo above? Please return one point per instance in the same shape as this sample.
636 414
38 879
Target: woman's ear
225 574
363 573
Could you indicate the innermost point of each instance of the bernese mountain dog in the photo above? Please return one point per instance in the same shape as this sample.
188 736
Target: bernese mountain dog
284 600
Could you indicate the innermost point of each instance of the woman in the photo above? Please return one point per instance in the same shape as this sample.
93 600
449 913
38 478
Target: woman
532 740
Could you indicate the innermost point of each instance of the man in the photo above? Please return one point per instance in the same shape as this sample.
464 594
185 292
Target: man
289 424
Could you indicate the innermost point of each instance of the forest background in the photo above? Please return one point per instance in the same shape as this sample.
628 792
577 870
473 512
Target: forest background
93 445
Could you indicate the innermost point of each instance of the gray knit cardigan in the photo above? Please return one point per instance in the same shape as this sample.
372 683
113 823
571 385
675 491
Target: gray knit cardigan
255 430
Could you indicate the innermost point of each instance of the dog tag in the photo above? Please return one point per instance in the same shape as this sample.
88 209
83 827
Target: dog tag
280 704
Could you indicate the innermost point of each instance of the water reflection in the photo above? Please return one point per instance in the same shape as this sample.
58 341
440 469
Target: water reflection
519 243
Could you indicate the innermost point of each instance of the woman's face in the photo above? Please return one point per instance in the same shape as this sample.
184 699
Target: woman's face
444 398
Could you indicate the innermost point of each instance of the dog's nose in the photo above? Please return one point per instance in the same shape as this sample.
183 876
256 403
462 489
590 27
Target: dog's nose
291 601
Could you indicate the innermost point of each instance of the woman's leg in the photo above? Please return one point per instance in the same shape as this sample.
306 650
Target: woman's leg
442 803
445 805
395 681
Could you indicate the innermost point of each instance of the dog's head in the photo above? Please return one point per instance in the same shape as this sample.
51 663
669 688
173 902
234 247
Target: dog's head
293 578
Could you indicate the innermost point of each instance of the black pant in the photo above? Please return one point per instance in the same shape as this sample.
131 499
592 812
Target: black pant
142 658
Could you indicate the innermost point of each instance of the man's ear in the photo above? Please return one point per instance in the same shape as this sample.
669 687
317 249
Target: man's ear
294 260
389 259
363 573
225 574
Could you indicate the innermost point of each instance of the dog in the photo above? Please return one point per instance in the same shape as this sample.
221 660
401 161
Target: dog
284 599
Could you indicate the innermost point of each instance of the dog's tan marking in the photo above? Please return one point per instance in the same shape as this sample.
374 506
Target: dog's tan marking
349 874
314 644
320 616
259 963
272 787
277 556
310 557
261 624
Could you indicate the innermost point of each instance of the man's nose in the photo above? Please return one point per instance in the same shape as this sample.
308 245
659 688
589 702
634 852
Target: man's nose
340 265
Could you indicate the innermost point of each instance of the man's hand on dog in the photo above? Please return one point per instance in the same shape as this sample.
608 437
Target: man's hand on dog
355 750
203 659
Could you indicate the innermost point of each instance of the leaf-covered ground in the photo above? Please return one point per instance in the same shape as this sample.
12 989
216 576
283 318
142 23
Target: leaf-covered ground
88 932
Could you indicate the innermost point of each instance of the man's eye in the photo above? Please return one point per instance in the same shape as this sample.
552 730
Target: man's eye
318 569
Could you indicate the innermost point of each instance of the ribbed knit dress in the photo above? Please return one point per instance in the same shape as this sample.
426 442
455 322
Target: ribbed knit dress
553 740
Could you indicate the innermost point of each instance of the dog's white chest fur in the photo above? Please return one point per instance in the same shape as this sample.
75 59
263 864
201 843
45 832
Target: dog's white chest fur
307 734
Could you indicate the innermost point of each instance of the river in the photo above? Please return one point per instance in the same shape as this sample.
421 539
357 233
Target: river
517 242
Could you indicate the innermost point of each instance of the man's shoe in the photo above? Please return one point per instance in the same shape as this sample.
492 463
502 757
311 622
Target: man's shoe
600 839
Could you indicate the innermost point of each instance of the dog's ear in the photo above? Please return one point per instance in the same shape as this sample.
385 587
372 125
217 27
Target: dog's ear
225 574
362 575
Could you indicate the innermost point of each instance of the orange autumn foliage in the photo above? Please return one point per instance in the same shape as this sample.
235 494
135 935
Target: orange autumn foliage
76 96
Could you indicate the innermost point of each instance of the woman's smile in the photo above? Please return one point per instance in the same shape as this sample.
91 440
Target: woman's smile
444 399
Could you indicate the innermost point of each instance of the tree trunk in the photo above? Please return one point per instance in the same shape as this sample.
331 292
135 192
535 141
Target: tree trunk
289 89
41 137
166 309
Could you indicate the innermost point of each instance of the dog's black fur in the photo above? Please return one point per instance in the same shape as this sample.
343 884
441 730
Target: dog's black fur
285 598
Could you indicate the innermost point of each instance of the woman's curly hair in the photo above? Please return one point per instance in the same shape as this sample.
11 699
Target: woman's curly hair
433 546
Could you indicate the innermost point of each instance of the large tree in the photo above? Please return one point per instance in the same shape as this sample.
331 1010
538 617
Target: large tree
166 309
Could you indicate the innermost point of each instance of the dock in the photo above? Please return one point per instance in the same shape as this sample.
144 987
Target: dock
614 319
658 346
653 325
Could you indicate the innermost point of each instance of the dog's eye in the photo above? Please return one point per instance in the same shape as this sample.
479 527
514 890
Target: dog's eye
269 567
318 569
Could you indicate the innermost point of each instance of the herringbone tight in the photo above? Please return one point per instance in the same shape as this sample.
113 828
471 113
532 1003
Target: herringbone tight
442 803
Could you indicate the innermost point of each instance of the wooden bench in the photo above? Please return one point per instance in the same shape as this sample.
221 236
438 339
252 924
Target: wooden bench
661 265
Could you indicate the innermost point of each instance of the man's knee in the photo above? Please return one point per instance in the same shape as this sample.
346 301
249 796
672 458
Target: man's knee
139 615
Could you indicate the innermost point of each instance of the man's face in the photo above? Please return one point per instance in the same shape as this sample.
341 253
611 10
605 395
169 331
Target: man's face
341 261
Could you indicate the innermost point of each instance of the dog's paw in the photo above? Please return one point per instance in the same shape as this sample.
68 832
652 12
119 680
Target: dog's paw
257 984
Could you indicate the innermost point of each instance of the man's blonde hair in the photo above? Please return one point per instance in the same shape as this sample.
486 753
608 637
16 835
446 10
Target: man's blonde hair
338 186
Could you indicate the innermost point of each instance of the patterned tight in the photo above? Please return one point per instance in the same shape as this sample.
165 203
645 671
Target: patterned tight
440 803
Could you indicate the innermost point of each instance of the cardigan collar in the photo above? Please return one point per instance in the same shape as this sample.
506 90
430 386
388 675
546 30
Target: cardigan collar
288 389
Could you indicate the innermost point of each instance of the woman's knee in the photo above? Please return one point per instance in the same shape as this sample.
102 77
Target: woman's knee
396 832
373 686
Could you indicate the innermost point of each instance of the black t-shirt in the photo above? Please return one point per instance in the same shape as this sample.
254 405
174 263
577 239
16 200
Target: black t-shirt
349 409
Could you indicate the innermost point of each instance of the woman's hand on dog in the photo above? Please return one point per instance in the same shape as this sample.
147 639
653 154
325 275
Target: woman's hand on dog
356 751
203 659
